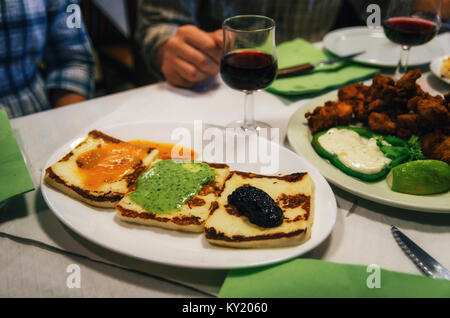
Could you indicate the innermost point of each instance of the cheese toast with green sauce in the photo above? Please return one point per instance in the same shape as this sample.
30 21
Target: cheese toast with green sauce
176 195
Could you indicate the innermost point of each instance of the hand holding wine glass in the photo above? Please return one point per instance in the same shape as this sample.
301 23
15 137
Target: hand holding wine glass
410 23
249 62
189 56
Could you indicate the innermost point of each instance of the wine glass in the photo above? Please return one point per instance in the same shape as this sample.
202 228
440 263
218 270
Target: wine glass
410 23
249 61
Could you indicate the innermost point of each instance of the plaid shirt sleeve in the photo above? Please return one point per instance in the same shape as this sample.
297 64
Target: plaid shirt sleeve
158 21
68 54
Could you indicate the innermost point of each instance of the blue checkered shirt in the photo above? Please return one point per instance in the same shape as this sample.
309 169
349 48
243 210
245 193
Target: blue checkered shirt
33 33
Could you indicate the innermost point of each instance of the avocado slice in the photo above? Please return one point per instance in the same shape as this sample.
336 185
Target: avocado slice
420 177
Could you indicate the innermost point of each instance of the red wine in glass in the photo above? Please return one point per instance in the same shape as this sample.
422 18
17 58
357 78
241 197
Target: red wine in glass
249 62
409 31
248 70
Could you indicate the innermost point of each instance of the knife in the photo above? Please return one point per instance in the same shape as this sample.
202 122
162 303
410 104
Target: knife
427 264
299 69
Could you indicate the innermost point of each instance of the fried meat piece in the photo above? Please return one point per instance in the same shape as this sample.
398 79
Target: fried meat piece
344 112
436 145
378 105
412 103
330 115
432 112
407 84
360 110
380 81
384 93
353 91
407 88
408 81
419 91
430 140
382 88
321 118
381 123
442 151
407 125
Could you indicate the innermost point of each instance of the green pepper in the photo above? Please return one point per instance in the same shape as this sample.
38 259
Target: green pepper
397 151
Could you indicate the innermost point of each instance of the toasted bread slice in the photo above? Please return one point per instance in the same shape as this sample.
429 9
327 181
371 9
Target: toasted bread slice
292 193
190 217
68 174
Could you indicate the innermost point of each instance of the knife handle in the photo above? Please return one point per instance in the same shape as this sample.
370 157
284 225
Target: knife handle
295 70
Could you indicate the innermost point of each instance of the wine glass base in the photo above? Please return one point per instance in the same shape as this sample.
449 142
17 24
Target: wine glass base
261 129
257 127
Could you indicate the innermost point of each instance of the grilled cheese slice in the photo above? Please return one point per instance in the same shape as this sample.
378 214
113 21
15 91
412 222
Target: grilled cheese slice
100 170
192 215
293 193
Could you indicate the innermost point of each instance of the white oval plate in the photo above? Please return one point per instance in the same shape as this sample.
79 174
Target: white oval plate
435 68
300 137
177 248
380 51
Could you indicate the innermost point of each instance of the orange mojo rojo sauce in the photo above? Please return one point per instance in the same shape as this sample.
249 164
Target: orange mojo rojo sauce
165 150
108 163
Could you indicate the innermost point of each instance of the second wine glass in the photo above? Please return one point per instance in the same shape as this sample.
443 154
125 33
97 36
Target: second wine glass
410 23
249 61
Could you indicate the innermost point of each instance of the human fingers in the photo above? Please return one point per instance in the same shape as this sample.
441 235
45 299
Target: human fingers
188 71
202 41
200 60
218 37
176 80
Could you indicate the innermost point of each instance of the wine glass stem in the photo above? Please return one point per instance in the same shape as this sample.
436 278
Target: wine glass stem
402 66
249 111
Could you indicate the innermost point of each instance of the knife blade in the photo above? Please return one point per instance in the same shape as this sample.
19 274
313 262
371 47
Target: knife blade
427 264
303 68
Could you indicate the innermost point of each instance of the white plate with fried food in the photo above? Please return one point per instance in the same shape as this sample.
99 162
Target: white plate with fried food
299 136
379 50
440 67
161 245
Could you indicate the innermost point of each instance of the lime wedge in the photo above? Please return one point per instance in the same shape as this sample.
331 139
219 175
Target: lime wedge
420 177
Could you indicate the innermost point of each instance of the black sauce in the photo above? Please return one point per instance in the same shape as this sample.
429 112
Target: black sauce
257 206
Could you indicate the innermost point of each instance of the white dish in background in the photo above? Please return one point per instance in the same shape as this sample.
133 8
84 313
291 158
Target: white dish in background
380 51
435 68
300 137
177 248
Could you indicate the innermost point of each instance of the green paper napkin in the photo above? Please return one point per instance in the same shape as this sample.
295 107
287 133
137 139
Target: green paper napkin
308 278
323 77
14 176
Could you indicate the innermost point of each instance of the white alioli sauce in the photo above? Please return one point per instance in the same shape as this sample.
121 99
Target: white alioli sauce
356 152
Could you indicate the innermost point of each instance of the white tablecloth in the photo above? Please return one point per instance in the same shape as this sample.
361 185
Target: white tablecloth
37 248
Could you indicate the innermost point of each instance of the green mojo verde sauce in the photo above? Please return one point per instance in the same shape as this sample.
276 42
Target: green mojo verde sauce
168 184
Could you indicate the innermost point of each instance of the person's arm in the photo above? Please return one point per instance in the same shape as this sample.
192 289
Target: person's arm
173 47
68 58
62 97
